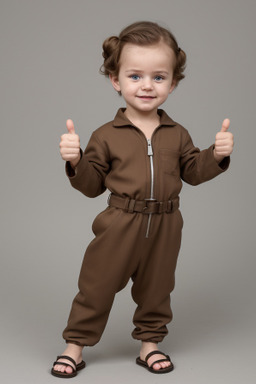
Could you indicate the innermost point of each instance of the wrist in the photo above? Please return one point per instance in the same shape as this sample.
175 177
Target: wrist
217 157
75 162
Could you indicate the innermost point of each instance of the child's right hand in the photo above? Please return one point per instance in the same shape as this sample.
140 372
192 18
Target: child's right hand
70 145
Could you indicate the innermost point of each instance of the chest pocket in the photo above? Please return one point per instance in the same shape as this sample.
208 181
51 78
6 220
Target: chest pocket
170 161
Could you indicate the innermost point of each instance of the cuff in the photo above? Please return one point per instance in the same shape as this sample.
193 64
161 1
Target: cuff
70 171
224 164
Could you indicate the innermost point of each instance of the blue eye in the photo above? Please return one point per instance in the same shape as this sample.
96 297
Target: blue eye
159 78
135 77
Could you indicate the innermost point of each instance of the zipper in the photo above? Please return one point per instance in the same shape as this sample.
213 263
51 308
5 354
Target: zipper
150 154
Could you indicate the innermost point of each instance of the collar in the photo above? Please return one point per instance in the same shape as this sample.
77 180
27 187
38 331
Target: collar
121 120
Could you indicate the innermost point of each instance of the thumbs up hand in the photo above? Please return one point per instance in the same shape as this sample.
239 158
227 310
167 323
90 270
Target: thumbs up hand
224 142
70 145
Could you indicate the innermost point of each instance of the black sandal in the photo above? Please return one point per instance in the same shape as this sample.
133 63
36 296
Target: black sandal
78 367
144 364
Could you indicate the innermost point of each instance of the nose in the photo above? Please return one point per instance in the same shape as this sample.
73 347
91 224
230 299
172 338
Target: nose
147 84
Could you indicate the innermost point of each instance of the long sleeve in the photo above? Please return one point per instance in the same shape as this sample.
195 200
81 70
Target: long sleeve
90 173
199 166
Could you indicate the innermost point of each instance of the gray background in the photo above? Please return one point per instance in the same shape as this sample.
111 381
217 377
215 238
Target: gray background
50 56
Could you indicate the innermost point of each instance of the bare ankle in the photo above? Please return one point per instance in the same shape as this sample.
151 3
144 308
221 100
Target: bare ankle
148 345
74 348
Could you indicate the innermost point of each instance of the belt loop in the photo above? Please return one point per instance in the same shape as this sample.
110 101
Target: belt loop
169 206
126 203
160 207
131 205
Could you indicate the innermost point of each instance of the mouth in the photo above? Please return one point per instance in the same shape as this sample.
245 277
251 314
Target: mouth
145 97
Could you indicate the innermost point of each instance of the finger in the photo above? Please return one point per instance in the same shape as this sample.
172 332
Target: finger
70 151
221 151
224 153
69 157
69 143
225 125
223 145
70 126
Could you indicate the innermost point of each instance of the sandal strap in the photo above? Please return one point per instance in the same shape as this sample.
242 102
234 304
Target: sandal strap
65 364
157 353
158 361
67 358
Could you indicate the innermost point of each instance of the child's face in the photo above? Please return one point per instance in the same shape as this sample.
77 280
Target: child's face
145 76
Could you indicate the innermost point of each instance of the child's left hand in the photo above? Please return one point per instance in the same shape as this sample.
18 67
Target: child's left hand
224 142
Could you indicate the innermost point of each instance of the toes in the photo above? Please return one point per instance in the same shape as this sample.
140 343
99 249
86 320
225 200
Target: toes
153 361
163 364
69 370
63 368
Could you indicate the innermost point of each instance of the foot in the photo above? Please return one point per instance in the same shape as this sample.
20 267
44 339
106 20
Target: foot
75 352
146 348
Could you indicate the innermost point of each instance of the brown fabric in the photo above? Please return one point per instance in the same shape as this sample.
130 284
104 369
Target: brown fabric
119 252
143 206
116 159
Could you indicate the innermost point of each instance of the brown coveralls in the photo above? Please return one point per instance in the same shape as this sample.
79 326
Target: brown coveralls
131 244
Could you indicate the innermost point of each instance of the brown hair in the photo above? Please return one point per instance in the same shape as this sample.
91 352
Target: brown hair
141 33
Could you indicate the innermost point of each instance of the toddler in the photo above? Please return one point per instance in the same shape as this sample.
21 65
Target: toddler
140 157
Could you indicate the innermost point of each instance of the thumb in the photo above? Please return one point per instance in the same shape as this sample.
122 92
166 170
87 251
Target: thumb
70 126
225 125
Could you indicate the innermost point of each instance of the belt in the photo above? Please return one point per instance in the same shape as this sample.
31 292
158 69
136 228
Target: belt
146 206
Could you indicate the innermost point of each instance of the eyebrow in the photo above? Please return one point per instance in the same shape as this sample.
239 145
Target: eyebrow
139 71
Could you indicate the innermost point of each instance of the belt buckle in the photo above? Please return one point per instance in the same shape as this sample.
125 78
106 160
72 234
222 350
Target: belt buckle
146 206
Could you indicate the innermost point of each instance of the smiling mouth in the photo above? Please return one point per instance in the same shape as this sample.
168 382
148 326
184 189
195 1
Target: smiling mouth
147 97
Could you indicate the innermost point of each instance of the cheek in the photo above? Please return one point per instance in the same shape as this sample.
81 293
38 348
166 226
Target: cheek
129 89
164 91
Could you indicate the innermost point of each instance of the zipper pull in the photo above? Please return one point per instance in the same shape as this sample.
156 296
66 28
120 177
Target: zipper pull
150 149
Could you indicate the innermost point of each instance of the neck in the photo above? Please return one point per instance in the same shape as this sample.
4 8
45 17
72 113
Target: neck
140 118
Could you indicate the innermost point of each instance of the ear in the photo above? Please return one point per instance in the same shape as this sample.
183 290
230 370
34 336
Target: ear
115 82
172 86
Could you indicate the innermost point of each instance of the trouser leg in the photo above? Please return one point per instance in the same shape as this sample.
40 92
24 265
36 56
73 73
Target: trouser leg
155 278
109 261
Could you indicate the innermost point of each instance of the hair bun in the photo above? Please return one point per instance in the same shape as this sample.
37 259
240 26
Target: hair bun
109 46
110 52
